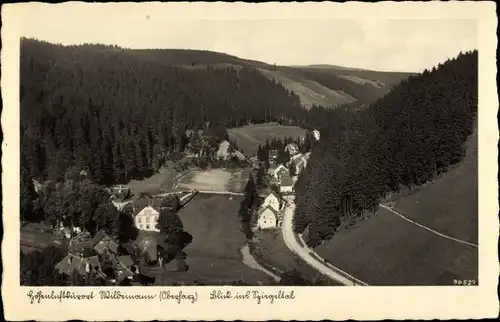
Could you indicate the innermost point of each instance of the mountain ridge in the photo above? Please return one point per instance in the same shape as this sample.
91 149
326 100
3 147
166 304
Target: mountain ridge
327 85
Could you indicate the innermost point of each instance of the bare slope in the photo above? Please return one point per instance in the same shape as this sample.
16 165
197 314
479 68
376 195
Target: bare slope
325 85
388 250
309 91
450 204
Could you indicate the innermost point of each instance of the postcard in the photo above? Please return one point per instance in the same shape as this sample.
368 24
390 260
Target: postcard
243 161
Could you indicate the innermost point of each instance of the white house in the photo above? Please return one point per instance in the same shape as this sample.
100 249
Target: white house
147 218
315 133
292 148
277 172
273 201
268 218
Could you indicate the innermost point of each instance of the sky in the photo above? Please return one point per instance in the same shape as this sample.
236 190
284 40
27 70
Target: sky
408 45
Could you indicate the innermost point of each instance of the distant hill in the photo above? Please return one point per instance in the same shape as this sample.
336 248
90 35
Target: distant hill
325 85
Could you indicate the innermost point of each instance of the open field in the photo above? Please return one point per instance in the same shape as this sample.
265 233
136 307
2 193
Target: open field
157 183
387 250
248 138
276 254
233 180
33 238
450 204
214 255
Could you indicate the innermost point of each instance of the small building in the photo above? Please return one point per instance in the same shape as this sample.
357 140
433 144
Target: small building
292 148
273 155
286 184
274 201
147 218
83 175
315 134
82 265
268 218
101 242
146 210
277 172
123 268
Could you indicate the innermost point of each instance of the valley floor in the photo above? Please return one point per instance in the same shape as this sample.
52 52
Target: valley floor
214 256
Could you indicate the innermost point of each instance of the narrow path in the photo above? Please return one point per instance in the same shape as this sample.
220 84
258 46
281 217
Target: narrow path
427 228
250 261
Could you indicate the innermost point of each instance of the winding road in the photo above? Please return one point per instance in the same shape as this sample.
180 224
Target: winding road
304 252
307 254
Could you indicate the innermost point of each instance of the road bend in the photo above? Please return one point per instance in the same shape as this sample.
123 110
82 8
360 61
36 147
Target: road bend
306 254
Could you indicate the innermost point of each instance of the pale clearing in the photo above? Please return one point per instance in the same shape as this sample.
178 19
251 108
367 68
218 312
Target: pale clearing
214 180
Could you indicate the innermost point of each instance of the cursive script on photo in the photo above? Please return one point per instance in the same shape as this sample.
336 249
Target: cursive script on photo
178 296
258 296
37 297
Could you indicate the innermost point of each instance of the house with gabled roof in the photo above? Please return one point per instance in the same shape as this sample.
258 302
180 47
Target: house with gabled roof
146 211
286 183
269 218
292 148
123 268
80 264
99 243
273 200
102 242
277 172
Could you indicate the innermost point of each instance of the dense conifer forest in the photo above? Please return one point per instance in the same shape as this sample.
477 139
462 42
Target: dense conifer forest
119 113
404 139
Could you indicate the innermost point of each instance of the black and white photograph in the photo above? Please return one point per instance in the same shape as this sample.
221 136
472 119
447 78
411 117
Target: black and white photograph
247 152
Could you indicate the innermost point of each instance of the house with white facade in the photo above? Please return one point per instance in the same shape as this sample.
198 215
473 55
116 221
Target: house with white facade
277 172
315 134
292 148
268 218
147 218
146 210
274 201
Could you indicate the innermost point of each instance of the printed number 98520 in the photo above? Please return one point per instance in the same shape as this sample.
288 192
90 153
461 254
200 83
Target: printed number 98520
464 282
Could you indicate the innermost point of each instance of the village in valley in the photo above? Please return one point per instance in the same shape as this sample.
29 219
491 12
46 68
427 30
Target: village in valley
142 258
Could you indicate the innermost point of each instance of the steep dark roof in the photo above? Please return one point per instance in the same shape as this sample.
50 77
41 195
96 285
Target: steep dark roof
273 153
126 260
72 263
286 180
101 241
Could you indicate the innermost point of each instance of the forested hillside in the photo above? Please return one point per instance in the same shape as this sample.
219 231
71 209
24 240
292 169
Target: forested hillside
404 139
119 113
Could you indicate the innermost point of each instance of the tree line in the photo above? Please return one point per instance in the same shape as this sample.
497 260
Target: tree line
404 139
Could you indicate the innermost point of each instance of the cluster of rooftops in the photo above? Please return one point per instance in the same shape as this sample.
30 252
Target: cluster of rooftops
84 255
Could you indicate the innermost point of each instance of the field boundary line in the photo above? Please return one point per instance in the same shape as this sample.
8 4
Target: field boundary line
427 228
